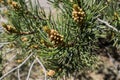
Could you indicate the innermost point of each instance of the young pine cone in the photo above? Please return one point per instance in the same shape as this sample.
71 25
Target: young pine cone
55 37
78 14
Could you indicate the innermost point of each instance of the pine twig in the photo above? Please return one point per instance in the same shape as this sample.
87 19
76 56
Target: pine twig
26 33
21 33
2 44
108 25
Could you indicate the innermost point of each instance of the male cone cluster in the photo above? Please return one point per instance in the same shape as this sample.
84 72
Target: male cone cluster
54 36
78 14
13 4
51 73
9 28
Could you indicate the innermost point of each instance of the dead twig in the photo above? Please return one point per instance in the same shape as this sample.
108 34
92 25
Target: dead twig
17 66
108 25
30 69
18 70
42 67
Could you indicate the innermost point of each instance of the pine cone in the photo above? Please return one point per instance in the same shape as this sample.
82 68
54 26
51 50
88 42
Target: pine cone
78 14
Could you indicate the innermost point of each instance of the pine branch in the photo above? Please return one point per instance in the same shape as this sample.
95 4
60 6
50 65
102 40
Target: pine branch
26 33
